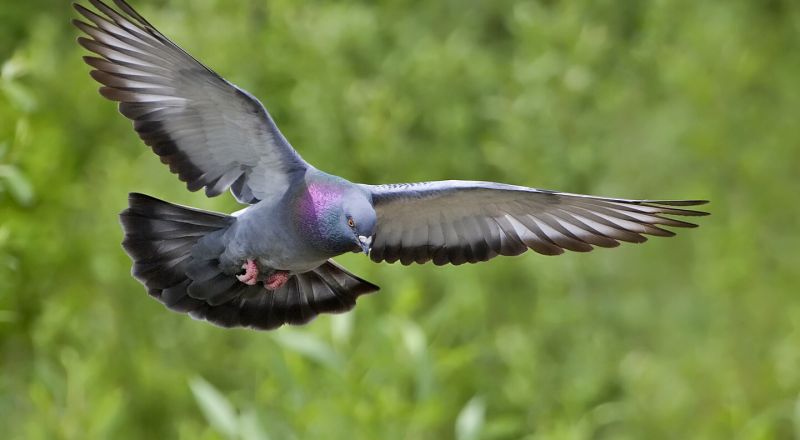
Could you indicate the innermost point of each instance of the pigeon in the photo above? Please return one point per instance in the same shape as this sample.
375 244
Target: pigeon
271 263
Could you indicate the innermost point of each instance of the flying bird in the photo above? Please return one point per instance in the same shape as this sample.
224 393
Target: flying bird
271 263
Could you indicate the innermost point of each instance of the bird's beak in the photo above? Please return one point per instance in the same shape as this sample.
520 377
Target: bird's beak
366 243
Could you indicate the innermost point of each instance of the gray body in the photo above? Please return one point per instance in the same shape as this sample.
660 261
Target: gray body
261 232
255 235
268 231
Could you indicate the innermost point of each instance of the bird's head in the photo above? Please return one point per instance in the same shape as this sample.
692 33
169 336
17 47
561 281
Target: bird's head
337 218
360 219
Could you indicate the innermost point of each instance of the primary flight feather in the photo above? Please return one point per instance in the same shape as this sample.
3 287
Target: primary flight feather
270 264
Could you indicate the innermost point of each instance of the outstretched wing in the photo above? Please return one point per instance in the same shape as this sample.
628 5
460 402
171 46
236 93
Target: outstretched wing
465 222
211 133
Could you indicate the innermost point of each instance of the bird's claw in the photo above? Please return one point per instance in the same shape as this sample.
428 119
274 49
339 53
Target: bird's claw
273 281
250 275
276 279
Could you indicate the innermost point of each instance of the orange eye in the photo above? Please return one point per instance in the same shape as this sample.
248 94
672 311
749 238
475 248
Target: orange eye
351 223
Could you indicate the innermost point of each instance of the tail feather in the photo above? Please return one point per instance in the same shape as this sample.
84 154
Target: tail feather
159 237
175 253
327 289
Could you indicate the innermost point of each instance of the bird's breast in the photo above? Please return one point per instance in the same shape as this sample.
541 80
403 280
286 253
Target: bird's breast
264 234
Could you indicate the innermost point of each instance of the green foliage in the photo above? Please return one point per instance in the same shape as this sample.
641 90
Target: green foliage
696 336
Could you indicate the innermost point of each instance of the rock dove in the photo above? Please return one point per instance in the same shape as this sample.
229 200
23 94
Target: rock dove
271 263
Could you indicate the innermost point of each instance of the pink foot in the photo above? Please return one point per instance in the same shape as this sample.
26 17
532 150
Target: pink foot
276 279
250 275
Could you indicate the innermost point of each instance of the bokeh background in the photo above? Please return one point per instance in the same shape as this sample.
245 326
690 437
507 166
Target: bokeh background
696 336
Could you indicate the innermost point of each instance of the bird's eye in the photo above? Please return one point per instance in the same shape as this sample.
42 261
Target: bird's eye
351 223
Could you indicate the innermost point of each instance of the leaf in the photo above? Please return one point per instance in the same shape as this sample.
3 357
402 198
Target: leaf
13 68
341 328
469 422
217 409
16 183
416 343
19 95
250 428
414 340
309 346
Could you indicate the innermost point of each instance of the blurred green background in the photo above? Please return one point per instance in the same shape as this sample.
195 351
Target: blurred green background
696 336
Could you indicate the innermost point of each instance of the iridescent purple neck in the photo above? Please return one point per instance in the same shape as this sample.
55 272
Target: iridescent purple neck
317 209
318 199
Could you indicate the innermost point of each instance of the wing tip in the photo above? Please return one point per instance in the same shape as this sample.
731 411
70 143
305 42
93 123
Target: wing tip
85 42
79 24
668 205
79 8
685 202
